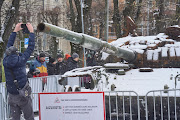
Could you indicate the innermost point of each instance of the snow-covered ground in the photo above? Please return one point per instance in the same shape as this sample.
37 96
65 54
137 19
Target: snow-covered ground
134 80
142 82
36 118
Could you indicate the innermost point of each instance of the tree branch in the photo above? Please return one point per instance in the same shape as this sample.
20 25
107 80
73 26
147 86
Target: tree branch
13 12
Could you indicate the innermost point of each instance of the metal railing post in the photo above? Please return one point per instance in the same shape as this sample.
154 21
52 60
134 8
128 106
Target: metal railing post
146 108
124 94
2 114
138 105
163 106
175 105
169 117
123 107
154 101
130 106
117 105
109 106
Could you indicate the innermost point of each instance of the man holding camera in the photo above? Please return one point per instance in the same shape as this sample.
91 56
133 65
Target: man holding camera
17 84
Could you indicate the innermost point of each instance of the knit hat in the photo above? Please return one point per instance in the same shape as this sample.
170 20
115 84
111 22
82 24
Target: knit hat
75 55
11 50
42 55
51 60
67 56
59 56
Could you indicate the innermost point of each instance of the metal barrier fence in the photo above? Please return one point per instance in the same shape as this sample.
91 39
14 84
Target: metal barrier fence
2 101
163 105
51 85
122 105
36 86
3 89
2 113
119 105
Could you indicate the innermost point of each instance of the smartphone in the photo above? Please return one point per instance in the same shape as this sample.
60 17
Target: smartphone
25 29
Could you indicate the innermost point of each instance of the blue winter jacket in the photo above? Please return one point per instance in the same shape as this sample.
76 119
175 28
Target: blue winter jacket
17 63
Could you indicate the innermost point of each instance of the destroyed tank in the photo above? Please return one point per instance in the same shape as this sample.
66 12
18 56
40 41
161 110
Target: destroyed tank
157 61
141 67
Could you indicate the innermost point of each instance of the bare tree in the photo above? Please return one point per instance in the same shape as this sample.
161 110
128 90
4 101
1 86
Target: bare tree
1 3
160 23
177 21
28 10
117 19
53 17
138 13
9 20
76 22
98 16
131 8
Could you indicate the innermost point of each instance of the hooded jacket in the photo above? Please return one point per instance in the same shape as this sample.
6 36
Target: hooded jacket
17 64
71 64
61 68
51 68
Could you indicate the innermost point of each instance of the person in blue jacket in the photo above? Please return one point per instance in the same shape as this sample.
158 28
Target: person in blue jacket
16 79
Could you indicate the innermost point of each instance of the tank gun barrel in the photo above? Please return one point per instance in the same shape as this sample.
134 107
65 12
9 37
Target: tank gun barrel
87 41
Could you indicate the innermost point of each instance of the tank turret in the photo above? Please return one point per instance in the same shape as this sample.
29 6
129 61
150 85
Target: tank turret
87 41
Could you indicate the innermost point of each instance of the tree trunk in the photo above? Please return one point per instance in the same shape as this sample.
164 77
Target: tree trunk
1 44
54 47
138 13
87 20
129 8
128 11
177 12
1 2
160 25
9 21
76 23
101 28
117 19
72 15
54 41
90 25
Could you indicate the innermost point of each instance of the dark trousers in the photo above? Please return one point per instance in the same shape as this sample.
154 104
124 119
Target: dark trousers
19 104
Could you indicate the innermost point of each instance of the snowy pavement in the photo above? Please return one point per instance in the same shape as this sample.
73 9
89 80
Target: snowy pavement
36 118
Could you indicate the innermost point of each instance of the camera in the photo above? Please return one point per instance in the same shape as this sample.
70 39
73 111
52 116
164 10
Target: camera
25 29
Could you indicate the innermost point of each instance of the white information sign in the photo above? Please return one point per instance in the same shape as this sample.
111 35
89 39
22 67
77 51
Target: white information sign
72 106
